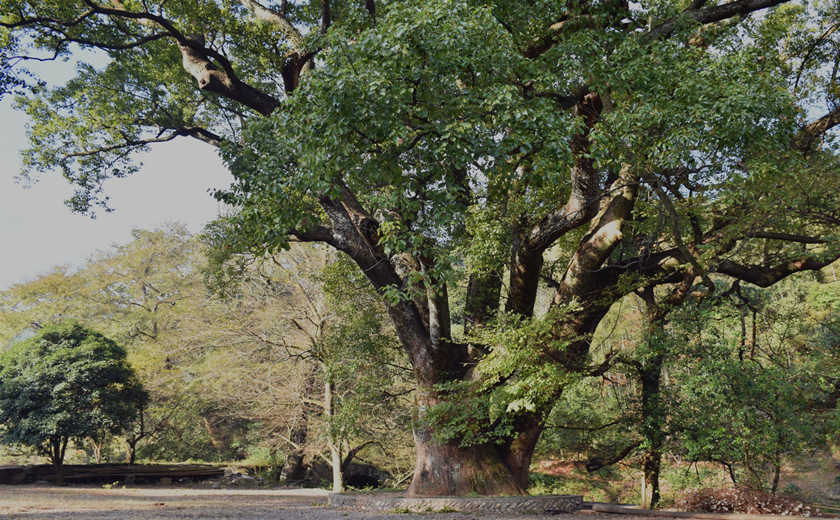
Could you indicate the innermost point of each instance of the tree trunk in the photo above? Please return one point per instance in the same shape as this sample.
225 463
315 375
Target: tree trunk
295 468
777 468
521 449
132 451
448 469
651 463
98 445
652 426
58 445
334 444
483 291
445 468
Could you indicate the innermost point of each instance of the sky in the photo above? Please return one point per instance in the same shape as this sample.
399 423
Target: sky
38 232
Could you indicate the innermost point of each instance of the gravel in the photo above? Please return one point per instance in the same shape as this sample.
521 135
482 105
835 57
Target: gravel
140 503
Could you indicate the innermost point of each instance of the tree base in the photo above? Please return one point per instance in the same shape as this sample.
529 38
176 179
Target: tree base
446 469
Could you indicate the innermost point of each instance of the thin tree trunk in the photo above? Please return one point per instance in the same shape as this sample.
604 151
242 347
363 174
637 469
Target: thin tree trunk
334 444
97 450
652 426
777 468
132 451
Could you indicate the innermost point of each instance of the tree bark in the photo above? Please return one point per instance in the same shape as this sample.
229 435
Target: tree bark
445 468
57 448
518 454
334 444
132 452
652 426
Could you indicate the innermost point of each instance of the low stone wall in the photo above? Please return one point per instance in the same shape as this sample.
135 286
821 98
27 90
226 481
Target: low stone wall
391 502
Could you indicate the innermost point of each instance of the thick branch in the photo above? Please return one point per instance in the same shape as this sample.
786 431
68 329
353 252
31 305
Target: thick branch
813 132
581 205
210 78
196 60
767 276
202 134
317 234
711 14
599 243
556 31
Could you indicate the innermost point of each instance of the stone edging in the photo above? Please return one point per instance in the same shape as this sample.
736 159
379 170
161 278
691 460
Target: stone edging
383 502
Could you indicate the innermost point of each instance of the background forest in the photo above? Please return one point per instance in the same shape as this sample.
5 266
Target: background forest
285 362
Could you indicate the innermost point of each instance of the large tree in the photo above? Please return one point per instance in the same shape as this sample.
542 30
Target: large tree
426 140
66 382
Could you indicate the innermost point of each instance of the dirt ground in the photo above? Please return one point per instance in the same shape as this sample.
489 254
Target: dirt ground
141 503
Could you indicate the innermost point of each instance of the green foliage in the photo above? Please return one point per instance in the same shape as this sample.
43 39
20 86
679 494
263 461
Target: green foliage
752 404
66 382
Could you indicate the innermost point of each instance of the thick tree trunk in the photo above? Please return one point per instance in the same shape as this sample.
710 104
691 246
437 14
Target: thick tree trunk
58 446
448 469
525 269
518 454
483 291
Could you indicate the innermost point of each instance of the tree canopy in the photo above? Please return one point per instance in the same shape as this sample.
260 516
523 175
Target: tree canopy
66 382
595 148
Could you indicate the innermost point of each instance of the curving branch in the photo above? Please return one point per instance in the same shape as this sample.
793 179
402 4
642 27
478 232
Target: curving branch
813 132
710 15
582 203
767 276
216 76
555 32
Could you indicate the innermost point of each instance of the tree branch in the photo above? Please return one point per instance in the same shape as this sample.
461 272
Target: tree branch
813 132
196 61
596 463
555 31
787 237
710 15
276 18
581 205
767 276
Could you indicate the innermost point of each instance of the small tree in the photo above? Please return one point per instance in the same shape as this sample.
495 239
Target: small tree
67 382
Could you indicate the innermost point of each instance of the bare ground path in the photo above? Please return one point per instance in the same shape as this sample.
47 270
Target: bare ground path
95 503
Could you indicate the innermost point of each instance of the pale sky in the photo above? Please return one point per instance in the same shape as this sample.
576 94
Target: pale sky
38 232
